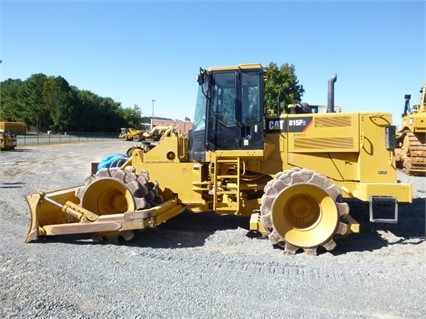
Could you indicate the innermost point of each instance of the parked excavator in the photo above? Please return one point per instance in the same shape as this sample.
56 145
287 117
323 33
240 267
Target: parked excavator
411 137
291 175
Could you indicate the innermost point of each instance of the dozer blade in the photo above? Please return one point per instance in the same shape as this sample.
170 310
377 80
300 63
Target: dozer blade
59 213
44 213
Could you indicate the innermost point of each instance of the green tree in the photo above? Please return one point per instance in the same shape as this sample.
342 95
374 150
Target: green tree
11 105
58 99
94 113
83 109
110 114
34 110
89 113
281 88
132 116
49 102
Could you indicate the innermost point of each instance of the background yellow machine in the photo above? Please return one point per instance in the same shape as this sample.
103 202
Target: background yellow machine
9 134
131 134
411 138
152 135
290 173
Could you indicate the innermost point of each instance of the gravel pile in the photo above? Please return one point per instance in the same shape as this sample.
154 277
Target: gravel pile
198 265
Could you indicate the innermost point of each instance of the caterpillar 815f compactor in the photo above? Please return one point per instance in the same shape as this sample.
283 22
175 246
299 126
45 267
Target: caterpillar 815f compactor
411 138
289 173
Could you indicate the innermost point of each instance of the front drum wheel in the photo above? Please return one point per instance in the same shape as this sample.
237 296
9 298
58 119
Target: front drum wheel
116 191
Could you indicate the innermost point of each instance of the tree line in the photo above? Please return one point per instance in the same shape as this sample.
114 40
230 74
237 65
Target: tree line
51 103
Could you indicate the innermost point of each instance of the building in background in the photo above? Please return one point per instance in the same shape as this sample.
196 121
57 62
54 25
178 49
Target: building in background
184 126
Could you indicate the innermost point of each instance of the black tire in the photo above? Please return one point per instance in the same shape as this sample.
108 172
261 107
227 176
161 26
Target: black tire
302 210
136 138
115 191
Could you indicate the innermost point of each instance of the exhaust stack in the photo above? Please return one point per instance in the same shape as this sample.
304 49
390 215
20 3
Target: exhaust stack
330 101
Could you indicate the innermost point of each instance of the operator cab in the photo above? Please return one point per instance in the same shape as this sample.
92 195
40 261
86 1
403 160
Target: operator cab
229 110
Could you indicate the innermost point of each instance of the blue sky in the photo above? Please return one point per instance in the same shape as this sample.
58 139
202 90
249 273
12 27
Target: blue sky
136 51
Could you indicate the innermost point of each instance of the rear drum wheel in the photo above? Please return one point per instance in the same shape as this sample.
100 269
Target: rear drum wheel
301 209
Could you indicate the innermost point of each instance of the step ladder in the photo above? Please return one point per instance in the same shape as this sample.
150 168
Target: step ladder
232 187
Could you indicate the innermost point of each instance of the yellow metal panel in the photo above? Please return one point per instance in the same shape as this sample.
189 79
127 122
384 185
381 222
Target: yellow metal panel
419 123
331 132
336 166
256 224
236 153
376 163
246 66
363 191
354 226
177 178
333 121
318 143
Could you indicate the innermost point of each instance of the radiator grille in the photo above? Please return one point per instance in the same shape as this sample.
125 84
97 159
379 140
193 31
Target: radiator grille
341 121
324 143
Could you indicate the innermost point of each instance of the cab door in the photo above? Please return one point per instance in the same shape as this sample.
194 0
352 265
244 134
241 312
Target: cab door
235 112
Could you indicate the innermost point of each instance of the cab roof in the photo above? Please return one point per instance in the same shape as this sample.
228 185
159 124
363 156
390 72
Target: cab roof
248 66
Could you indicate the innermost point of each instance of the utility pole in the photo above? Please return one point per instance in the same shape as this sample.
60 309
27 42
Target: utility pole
152 116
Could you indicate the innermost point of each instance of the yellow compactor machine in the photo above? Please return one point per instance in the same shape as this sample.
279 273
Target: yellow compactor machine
411 137
289 173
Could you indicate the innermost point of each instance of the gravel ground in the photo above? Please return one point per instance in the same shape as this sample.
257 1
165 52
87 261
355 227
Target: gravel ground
197 265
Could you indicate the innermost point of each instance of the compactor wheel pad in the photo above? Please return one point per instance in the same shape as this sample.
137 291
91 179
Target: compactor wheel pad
116 191
302 210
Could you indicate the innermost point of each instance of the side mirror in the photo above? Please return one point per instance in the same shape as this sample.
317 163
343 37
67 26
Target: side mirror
200 77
